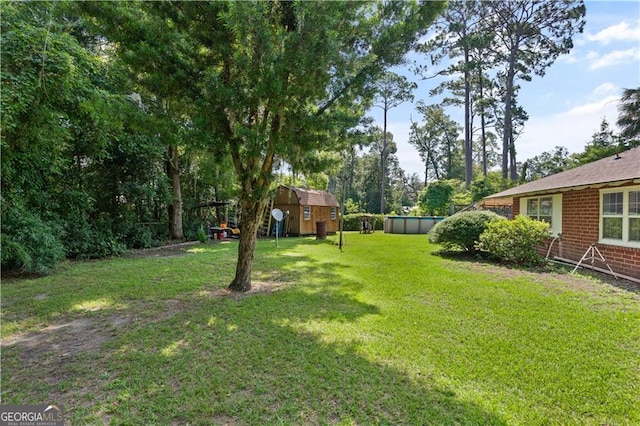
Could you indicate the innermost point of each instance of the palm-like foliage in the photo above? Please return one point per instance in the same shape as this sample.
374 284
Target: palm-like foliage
629 119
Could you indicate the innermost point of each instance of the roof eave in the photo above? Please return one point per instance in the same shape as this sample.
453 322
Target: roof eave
507 194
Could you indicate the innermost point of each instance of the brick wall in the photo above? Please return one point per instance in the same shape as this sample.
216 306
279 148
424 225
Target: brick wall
580 229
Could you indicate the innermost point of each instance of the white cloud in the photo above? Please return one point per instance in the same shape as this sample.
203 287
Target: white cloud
572 128
590 109
605 89
592 55
574 55
615 57
622 31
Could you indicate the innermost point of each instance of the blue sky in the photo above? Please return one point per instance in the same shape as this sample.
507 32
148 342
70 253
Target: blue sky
565 106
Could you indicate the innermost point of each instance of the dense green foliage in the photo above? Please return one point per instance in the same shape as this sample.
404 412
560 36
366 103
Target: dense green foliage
487 185
462 231
437 143
352 222
436 199
545 164
271 81
515 241
28 243
80 160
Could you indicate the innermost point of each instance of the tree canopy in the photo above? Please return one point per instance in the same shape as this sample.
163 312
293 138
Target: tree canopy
119 118
276 80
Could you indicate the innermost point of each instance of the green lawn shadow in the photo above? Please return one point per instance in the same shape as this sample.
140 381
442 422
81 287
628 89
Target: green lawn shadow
202 355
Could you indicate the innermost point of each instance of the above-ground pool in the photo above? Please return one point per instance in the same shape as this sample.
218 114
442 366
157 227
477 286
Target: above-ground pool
410 224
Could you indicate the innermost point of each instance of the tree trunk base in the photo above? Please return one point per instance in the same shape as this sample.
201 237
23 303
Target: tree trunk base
237 285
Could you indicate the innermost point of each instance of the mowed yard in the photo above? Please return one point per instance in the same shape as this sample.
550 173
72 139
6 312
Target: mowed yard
384 332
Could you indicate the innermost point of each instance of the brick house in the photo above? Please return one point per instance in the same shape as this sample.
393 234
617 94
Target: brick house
597 203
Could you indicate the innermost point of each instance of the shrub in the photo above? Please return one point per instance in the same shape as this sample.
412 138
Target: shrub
146 235
461 231
202 236
352 222
83 240
29 243
515 241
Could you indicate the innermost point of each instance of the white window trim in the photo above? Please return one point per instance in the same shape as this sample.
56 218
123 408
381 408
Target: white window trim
306 212
556 211
624 242
334 213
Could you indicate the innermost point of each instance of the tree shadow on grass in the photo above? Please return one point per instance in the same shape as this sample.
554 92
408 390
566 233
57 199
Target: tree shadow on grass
223 363
259 359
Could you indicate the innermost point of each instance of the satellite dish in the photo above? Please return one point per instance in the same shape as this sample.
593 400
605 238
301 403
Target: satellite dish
277 214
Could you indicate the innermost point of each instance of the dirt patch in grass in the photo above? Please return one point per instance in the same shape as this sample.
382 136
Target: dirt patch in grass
171 250
257 287
57 344
64 339
68 360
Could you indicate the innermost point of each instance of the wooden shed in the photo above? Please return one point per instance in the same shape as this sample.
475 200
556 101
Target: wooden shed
306 207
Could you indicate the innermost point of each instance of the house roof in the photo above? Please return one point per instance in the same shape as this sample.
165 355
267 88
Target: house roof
616 170
314 197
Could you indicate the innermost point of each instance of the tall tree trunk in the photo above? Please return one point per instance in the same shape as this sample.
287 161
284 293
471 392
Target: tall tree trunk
251 215
468 154
254 195
482 123
175 208
426 173
449 156
507 128
383 162
435 166
512 159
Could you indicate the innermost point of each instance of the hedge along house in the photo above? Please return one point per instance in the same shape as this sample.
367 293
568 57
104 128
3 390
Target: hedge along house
307 207
597 203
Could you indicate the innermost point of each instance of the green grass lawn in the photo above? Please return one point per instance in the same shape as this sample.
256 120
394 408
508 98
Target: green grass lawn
385 332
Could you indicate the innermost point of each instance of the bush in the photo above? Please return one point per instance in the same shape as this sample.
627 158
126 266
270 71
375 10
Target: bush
29 244
141 236
515 241
84 241
352 222
202 236
461 231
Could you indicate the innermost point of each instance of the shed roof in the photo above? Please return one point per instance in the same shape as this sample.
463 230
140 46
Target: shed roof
617 169
314 197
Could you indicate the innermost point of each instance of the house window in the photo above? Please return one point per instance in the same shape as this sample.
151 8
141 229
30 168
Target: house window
546 209
620 216
307 213
540 209
333 213
612 215
634 216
